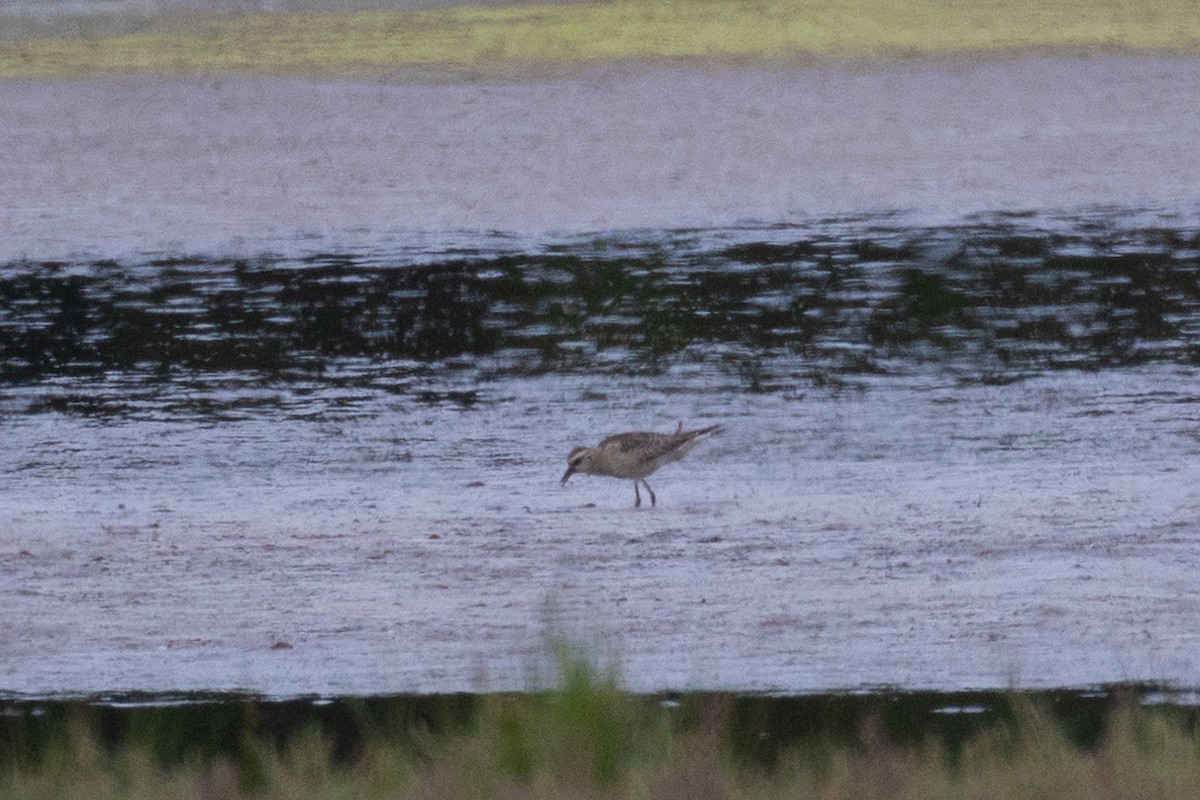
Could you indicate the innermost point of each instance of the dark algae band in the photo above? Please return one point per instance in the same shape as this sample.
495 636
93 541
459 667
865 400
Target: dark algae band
765 311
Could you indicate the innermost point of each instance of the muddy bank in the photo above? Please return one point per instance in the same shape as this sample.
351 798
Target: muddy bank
1038 534
232 164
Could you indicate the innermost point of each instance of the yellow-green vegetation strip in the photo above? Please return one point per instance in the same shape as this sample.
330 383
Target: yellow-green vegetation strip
499 38
602 745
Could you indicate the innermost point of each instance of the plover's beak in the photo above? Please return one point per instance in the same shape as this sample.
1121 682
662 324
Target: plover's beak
570 471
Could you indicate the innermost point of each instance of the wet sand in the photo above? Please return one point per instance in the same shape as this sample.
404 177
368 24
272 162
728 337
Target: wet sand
111 166
1040 534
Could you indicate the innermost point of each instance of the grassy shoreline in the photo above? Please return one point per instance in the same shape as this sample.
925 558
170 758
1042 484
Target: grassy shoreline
498 40
589 739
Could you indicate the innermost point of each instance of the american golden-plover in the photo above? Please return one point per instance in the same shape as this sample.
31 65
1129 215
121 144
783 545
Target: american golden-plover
634 455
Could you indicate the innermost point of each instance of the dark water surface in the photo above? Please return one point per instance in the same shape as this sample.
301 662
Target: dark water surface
777 310
955 457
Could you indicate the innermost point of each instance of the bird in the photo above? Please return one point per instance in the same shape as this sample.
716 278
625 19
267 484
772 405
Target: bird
634 455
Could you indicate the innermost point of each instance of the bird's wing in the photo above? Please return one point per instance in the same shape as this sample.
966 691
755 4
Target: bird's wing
645 446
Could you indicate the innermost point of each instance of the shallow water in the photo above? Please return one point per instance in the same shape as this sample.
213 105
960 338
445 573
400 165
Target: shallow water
954 457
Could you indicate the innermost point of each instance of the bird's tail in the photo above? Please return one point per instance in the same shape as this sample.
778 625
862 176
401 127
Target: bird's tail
702 431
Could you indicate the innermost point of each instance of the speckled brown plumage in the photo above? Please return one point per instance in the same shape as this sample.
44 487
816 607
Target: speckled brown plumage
634 455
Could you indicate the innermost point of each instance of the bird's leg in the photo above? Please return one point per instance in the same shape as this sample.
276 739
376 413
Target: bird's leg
638 502
653 499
